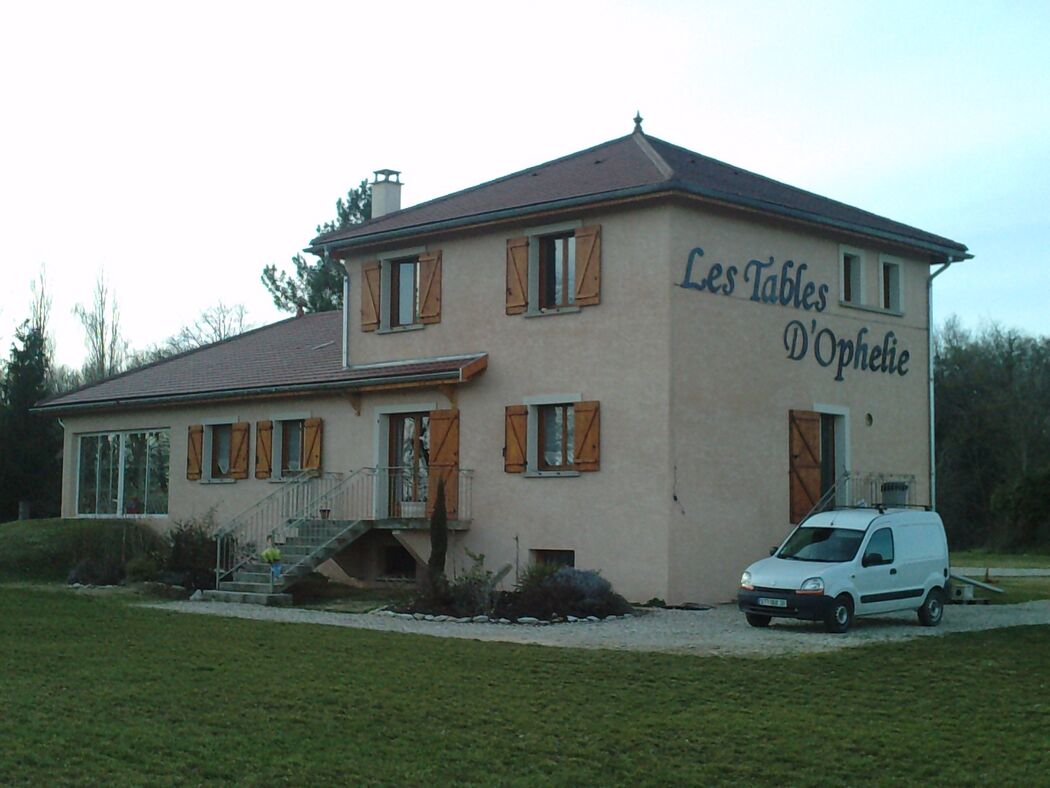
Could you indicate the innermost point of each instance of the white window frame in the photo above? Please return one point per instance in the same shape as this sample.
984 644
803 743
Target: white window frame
890 260
532 432
206 447
119 514
860 296
277 443
534 235
386 262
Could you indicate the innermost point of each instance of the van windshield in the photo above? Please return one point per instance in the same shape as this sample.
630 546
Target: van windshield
830 545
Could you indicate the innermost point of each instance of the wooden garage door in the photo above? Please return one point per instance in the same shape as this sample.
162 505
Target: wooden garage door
804 472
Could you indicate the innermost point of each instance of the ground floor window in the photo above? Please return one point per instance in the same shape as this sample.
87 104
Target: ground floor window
122 473
554 557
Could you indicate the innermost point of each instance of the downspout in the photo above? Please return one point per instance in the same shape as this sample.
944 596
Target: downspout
929 339
346 321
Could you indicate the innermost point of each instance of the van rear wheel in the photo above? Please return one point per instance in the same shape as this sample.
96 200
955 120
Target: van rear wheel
839 615
932 610
757 619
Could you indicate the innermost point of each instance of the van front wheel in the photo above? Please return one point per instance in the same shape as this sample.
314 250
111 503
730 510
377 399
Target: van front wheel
932 610
839 615
757 619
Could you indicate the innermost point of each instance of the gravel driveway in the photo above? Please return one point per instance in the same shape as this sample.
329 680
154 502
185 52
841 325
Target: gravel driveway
721 630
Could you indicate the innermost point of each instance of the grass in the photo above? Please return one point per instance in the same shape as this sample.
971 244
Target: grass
982 558
1018 589
44 550
97 691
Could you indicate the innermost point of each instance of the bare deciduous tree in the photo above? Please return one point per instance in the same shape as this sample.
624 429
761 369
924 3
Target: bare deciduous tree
214 324
107 349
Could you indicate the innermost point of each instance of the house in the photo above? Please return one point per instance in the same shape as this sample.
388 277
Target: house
634 358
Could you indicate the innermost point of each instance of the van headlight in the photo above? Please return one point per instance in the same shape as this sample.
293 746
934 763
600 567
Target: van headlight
812 585
745 581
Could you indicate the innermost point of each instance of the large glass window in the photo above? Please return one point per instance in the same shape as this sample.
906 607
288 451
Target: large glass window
557 271
123 473
556 437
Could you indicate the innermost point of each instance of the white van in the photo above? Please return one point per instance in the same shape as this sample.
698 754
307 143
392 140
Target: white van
851 562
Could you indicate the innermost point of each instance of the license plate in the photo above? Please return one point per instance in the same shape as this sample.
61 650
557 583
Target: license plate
772 602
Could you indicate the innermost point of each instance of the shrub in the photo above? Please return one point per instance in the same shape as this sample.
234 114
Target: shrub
95 572
141 568
548 592
191 554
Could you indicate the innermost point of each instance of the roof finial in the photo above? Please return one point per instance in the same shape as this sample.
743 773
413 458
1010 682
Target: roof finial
638 122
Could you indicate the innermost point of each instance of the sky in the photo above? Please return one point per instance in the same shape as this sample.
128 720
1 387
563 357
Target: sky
181 147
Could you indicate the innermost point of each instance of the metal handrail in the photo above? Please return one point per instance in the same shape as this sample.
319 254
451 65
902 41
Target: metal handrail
288 488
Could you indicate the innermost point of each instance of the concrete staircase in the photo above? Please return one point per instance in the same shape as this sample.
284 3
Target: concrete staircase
309 544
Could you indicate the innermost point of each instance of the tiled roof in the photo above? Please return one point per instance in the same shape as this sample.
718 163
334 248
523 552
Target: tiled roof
635 164
297 354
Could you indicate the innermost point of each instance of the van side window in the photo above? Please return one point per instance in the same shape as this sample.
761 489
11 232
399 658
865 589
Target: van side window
880 548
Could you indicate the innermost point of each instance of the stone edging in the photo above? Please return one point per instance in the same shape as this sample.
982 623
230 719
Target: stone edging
523 621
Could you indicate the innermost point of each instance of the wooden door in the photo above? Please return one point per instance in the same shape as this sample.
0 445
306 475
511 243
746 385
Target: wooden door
804 462
444 460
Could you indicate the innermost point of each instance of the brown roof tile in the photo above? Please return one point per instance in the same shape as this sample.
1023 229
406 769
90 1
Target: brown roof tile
624 166
294 354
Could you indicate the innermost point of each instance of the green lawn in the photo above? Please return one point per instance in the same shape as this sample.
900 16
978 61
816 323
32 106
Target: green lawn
1018 589
981 558
98 691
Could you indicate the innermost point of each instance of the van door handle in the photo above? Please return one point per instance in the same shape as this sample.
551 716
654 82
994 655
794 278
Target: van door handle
893 571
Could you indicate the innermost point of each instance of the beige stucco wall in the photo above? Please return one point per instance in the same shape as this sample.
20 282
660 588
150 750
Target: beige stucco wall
694 388
733 386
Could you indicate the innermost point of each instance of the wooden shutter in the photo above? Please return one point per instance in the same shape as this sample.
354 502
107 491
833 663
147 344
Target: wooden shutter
430 287
517 275
239 438
312 446
370 280
194 450
263 449
804 462
444 460
589 265
587 436
515 438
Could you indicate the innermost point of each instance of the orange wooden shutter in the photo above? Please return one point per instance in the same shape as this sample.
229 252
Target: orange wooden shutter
589 265
514 438
263 449
239 439
312 445
370 280
517 275
430 287
587 436
194 449
444 460
804 462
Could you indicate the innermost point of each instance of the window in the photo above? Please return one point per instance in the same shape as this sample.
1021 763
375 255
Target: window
556 437
880 548
291 446
401 291
218 452
123 473
554 557
557 271
404 292
552 436
851 276
221 436
554 269
890 285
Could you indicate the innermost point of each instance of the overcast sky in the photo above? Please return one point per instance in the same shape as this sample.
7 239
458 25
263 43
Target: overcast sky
183 146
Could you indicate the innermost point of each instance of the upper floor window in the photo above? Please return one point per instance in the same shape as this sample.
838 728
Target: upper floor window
554 269
890 284
557 271
851 276
401 291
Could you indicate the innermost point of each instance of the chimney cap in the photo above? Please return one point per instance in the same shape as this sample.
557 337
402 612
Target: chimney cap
387 176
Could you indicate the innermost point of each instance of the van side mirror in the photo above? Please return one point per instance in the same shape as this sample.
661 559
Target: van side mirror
871 559
773 549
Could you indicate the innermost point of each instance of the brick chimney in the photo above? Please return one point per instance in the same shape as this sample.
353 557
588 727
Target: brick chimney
386 193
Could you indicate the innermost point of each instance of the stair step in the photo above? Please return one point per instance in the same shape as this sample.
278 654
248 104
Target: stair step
246 598
253 588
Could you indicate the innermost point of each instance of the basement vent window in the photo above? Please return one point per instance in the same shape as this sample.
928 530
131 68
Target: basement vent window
554 557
